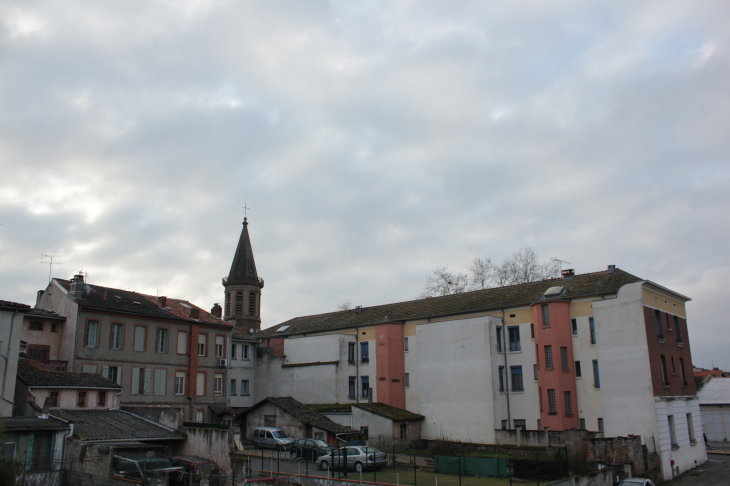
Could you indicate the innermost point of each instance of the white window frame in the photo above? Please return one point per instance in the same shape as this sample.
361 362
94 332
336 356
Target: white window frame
163 340
92 336
182 342
179 383
218 384
117 332
245 391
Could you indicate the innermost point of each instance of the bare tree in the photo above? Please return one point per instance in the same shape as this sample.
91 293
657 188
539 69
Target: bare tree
443 282
482 273
525 266
344 305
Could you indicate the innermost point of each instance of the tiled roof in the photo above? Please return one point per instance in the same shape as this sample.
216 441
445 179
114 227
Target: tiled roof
114 425
220 409
35 373
388 411
46 314
585 285
332 407
19 424
242 336
243 268
13 306
715 392
306 414
109 298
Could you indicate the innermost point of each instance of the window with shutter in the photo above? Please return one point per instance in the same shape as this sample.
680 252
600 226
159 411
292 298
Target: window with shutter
140 336
160 382
200 385
147 381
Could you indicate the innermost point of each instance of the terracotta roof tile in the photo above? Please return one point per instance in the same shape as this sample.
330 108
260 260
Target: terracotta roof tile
306 414
114 425
13 306
35 373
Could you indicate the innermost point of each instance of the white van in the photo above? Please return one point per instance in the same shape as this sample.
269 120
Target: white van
271 438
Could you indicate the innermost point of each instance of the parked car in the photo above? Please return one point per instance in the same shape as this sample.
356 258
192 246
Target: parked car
271 438
359 458
191 466
636 482
310 449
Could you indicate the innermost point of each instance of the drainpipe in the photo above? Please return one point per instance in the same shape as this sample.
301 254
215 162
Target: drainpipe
115 400
76 338
506 372
10 340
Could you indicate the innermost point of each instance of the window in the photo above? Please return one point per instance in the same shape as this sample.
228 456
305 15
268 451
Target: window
182 342
403 432
499 338
101 399
514 338
218 384
365 386
117 336
519 424
578 372
681 371
53 399
179 383
351 387
501 378
81 399
408 380
160 382
596 378
504 425
233 351
140 338
574 326
200 384
92 334
676 329
405 344
54 327
36 326
351 358
691 429
552 406
600 425
88 369
534 371
232 388
112 373
199 416
364 355
37 352
162 340
239 303
363 431
141 379
658 318
202 341
539 424
516 372
40 454
563 358
672 433
548 356
582 423
537 355
219 343
674 368
568 405
545 315
251 304
532 330
244 351
665 378
592 324
244 387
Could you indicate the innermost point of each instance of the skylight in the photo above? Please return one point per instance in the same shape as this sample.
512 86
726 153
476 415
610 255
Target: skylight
283 329
553 292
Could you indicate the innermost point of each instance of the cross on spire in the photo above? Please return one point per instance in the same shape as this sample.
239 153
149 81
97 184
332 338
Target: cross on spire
245 210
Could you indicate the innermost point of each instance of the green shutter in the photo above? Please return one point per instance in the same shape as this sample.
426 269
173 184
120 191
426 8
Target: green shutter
147 379
135 380
29 455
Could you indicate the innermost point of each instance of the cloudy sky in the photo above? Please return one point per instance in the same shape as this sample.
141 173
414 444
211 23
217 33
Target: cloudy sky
371 140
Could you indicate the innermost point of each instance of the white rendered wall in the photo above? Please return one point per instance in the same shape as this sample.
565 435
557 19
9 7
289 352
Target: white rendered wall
242 369
311 349
455 379
590 406
688 454
410 362
56 298
716 422
623 361
377 425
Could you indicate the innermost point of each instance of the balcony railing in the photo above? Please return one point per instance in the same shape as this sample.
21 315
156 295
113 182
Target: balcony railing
55 364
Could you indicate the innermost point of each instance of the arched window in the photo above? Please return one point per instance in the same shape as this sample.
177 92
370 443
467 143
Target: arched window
239 303
251 304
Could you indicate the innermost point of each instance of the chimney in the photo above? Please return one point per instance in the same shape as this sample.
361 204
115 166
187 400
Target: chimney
162 301
77 286
46 407
194 313
38 298
568 273
217 311
358 309
611 269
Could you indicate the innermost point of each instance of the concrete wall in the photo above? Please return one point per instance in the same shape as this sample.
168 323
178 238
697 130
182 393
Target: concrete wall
341 418
208 443
685 454
167 416
284 420
716 422
590 406
11 325
377 425
242 369
455 379
44 337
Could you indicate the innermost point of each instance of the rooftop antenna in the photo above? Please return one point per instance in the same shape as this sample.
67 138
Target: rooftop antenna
85 274
50 263
560 264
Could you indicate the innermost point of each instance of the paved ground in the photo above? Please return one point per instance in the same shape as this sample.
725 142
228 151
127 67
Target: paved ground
715 472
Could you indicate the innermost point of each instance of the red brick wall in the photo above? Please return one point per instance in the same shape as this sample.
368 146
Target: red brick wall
390 363
670 348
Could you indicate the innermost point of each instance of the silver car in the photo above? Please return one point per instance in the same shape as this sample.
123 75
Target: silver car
636 482
271 438
359 458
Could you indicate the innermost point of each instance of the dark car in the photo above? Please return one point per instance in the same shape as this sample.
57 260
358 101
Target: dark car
310 449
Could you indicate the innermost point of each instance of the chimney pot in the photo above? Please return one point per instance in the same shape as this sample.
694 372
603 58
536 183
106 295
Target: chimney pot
612 269
162 301
194 313
77 286
568 273
217 311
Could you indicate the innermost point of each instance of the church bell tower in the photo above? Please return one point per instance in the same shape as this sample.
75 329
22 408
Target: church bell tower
243 288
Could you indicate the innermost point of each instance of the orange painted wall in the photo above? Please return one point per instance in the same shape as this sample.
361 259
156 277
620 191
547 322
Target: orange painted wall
390 365
557 334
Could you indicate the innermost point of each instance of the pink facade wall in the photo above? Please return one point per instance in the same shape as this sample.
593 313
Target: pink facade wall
45 338
390 364
68 399
556 335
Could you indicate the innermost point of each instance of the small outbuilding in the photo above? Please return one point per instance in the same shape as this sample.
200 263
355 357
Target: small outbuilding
384 424
715 408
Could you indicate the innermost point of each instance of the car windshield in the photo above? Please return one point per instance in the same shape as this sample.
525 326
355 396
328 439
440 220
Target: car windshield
280 434
369 450
321 443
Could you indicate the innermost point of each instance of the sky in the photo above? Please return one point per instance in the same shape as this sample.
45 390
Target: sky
371 141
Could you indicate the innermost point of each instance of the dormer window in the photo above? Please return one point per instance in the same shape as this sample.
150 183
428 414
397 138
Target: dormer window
553 292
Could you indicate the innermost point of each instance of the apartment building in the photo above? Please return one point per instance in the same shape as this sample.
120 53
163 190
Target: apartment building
582 351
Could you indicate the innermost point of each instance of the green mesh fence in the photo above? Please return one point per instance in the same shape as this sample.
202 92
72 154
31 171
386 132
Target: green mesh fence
471 466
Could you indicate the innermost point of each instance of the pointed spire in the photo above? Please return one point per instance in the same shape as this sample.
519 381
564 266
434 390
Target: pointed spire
243 269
